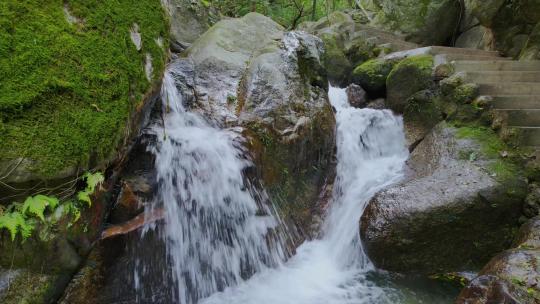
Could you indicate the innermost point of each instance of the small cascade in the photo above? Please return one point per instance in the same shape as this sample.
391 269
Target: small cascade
219 228
334 269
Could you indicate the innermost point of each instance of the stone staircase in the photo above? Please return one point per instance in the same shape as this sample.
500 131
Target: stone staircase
513 86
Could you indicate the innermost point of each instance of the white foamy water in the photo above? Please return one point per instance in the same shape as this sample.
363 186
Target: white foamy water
371 154
217 224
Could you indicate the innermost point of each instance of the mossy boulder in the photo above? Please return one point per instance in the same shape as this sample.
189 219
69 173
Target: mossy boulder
409 76
422 112
74 73
336 63
512 276
371 75
459 206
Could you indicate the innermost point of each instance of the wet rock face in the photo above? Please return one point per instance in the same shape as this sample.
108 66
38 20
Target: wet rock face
512 276
449 214
357 96
249 72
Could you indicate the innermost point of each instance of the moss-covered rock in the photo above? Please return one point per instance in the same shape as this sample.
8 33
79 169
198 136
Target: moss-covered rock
27 287
335 61
409 76
372 75
512 276
72 74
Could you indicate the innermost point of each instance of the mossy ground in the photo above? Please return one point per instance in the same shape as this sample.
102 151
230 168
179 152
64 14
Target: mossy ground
66 90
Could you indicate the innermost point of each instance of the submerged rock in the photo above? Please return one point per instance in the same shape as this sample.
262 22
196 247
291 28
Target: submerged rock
458 207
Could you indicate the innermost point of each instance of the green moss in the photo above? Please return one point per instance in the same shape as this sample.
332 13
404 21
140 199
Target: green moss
67 89
409 76
31 288
371 75
336 63
503 169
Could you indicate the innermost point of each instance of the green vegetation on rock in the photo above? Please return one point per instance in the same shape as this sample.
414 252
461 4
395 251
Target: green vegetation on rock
22 218
371 75
502 168
70 76
409 76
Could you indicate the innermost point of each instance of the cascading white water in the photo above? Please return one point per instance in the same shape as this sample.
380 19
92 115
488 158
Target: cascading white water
216 224
371 154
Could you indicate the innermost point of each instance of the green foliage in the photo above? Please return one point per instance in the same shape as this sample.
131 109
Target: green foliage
372 74
36 205
491 145
20 218
55 75
92 181
288 13
15 222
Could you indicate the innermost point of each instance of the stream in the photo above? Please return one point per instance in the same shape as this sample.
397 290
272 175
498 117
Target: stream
224 240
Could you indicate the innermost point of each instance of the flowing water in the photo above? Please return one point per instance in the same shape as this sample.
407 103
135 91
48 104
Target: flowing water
371 154
217 224
222 236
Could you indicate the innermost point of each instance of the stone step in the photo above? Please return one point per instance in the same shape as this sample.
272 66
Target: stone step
503 76
530 136
521 118
496 65
436 50
516 102
472 57
511 88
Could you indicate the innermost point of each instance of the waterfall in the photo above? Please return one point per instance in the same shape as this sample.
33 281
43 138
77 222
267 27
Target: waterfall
334 269
218 227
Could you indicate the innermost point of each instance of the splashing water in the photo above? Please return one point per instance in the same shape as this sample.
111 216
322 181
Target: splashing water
371 155
218 227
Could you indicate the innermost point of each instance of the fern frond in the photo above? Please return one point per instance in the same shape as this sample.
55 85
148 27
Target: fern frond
15 222
52 202
93 180
84 196
35 207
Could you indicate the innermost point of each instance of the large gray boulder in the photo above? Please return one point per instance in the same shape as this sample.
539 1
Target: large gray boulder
455 210
478 37
189 20
425 22
512 276
249 72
